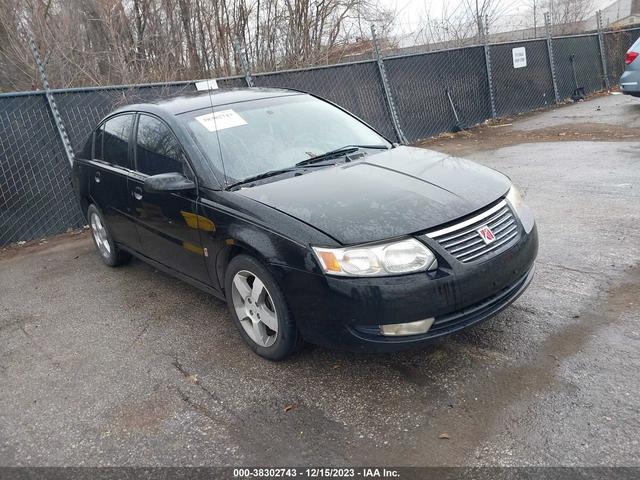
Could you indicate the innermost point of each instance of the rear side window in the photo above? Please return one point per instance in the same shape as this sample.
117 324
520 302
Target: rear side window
115 141
157 149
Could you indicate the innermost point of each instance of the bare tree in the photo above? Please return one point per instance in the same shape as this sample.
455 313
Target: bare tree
567 15
89 42
460 24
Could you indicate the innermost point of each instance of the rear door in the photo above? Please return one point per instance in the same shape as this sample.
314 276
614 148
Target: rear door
109 169
167 223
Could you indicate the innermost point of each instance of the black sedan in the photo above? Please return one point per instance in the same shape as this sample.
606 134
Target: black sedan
310 224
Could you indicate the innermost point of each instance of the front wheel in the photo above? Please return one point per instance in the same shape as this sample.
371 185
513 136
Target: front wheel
259 309
109 252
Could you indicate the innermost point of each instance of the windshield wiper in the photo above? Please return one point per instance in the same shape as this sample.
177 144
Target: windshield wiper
270 173
338 152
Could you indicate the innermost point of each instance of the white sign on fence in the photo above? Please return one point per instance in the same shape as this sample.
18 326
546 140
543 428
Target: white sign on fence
519 57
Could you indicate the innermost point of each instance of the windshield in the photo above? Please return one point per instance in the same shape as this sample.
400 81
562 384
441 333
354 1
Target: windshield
274 133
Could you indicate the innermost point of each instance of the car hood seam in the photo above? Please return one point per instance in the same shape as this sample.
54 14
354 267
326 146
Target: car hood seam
389 169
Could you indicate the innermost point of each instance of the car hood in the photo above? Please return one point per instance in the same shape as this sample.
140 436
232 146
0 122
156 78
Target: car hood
397 192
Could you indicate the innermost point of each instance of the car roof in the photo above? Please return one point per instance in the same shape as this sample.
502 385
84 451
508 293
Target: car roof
190 101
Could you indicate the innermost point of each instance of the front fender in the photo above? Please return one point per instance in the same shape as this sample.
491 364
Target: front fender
258 233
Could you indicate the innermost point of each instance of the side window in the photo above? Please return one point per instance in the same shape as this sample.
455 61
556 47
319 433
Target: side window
157 149
116 140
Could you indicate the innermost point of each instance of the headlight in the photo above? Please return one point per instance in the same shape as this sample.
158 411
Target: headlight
523 211
393 258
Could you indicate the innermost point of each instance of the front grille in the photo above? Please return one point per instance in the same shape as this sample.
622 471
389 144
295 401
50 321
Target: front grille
465 243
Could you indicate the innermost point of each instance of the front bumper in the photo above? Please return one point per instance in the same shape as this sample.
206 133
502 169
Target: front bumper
347 312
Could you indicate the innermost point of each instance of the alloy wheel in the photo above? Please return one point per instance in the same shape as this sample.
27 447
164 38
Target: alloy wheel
100 235
254 307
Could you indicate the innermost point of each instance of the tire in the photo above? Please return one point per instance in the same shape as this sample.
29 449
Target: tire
260 310
110 254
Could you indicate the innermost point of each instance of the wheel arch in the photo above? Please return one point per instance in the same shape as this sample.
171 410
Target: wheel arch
85 202
232 249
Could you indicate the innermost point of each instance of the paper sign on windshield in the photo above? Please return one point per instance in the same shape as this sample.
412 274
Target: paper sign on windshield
221 120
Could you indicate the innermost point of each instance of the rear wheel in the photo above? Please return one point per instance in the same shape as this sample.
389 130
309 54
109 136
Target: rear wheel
109 252
259 309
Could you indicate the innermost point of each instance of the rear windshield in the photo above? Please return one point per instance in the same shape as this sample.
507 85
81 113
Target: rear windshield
249 138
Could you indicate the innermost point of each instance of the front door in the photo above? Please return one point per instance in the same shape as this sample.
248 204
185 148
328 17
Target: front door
167 222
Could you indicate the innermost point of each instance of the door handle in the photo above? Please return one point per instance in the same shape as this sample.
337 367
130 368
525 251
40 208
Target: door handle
97 177
137 193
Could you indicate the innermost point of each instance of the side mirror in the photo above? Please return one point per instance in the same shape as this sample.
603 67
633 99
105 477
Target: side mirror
168 182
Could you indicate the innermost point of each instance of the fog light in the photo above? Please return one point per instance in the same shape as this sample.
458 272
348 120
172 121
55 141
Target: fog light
412 328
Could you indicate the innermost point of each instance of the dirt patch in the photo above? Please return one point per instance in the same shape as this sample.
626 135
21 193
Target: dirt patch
34 246
499 135
147 414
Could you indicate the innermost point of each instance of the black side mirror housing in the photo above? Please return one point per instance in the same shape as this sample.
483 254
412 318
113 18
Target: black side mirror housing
168 182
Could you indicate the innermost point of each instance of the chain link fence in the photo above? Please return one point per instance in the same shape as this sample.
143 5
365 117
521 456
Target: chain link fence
578 64
420 83
428 90
522 89
354 86
36 198
616 44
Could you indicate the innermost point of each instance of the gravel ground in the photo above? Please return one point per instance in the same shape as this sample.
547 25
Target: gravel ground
128 366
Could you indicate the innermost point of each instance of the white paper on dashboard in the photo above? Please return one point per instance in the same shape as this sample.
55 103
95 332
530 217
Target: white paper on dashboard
221 120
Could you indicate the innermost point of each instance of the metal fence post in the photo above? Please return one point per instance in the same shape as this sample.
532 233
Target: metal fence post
387 90
552 62
242 56
603 52
62 131
484 30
